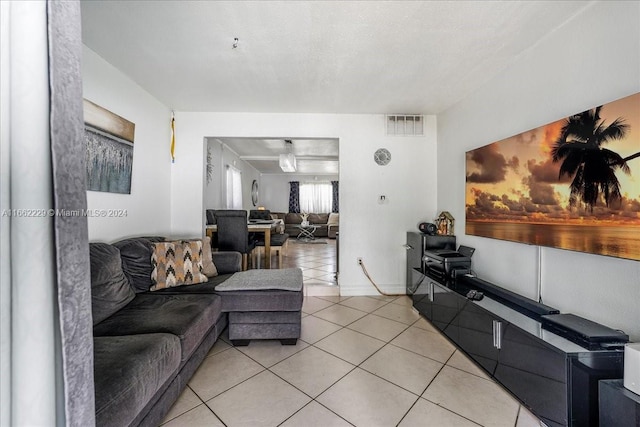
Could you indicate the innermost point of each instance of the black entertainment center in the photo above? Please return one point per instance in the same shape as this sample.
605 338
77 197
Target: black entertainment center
516 340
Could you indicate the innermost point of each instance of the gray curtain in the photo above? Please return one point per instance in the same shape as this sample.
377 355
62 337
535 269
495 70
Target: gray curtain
335 207
294 196
46 334
68 156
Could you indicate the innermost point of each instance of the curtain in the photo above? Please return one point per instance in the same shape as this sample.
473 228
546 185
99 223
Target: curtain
294 197
316 197
335 205
234 188
46 329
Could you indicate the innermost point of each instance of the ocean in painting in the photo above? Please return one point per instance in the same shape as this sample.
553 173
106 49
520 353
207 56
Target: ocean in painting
617 241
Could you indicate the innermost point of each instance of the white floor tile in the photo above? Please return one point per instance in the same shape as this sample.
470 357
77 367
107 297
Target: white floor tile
340 314
378 327
315 415
349 345
221 372
312 370
312 304
527 419
460 361
425 343
403 368
199 416
314 329
473 397
426 414
364 303
366 400
264 400
269 352
187 401
398 312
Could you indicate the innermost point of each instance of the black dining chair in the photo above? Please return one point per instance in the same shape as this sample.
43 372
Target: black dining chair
233 233
211 220
260 214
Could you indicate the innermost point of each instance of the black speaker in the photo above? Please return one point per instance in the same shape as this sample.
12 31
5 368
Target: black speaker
427 228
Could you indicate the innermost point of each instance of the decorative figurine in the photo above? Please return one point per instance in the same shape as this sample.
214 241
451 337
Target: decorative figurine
445 223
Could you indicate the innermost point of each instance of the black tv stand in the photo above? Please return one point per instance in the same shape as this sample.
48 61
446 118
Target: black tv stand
552 376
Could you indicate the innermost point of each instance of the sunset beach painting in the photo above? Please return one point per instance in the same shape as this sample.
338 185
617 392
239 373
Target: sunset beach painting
572 184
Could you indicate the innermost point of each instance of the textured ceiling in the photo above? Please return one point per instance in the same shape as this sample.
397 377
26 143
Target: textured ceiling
315 156
324 57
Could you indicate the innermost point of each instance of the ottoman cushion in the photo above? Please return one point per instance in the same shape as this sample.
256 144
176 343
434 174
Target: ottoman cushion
287 279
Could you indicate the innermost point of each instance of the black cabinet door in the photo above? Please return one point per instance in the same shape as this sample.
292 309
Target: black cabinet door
478 332
445 309
534 372
421 293
585 371
415 251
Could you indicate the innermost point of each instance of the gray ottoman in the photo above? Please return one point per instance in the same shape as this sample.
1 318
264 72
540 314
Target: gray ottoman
263 304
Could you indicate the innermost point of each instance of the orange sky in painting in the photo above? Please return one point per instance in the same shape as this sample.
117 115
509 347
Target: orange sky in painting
515 180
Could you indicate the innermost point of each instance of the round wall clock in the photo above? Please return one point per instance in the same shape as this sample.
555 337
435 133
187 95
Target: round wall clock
382 156
254 193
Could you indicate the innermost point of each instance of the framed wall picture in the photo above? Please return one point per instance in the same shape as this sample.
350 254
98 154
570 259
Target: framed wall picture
572 184
109 140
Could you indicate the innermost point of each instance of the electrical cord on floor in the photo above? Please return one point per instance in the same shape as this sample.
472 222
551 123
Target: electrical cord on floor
366 273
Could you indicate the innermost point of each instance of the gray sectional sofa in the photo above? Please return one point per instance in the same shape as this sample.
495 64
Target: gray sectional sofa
326 227
147 345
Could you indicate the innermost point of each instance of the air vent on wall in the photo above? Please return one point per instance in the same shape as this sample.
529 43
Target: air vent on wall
405 125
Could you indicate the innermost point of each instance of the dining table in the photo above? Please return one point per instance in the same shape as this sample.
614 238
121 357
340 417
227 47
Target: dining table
255 226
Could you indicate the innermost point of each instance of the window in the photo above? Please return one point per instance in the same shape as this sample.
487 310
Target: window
234 188
316 197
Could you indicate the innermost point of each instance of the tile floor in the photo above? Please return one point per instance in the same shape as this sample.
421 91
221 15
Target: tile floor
362 361
318 262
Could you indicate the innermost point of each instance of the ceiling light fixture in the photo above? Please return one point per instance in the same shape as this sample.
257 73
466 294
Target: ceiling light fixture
288 161
235 43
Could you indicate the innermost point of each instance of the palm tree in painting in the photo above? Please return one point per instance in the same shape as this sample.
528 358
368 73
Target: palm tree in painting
593 167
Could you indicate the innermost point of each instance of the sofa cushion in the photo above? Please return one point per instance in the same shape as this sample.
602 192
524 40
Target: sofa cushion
176 263
318 218
136 260
334 219
190 317
110 289
208 267
292 218
207 287
128 371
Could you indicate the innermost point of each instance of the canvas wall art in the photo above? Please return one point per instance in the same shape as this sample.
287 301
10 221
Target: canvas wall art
572 184
109 139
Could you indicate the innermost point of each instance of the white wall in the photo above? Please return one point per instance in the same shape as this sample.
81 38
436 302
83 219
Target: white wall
593 59
213 190
274 188
368 230
148 205
248 172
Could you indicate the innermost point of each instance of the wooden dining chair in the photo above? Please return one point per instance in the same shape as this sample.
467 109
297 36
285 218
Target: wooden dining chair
233 233
278 243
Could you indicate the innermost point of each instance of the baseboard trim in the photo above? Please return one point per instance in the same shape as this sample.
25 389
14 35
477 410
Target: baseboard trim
371 291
